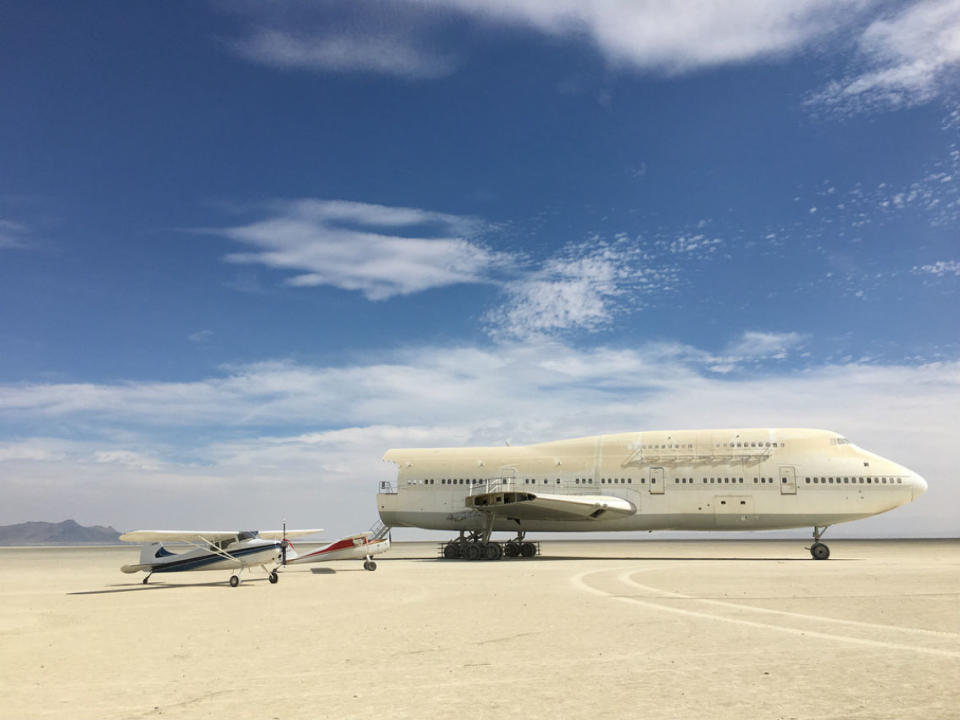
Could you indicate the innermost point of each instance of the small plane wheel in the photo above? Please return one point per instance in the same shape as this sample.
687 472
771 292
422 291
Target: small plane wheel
474 551
274 577
819 551
234 581
528 549
493 551
369 565
512 549
451 551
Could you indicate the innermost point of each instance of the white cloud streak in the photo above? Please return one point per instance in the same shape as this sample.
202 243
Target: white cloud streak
671 36
359 246
904 59
939 268
12 235
390 54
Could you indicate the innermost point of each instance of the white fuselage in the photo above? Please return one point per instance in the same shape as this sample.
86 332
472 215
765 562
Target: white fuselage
739 479
355 547
246 553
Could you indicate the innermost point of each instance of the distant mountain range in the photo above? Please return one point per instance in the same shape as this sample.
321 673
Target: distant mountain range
68 532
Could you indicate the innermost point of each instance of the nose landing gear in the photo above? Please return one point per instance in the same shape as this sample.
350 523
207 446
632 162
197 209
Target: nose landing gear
819 550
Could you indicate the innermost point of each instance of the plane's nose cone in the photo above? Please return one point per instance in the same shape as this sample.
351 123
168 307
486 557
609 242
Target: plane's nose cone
919 485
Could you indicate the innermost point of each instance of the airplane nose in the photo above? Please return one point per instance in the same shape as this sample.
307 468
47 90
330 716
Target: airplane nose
919 485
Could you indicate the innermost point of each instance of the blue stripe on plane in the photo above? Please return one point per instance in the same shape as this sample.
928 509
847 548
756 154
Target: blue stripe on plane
197 562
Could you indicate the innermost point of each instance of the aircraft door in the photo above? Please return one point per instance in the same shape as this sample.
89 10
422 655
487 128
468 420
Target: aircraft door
656 481
788 481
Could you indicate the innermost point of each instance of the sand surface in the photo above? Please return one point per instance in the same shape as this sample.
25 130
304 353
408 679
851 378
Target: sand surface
627 629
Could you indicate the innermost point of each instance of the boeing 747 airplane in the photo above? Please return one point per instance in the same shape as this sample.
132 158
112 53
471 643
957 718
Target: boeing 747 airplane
746 479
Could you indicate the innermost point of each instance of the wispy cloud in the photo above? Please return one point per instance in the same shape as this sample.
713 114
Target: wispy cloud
387 54
367 36
673 36
379 250
400 38
12 235
584 288
200 336
904 58
939 268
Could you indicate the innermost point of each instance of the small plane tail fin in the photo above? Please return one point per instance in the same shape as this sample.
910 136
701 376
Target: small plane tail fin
149 554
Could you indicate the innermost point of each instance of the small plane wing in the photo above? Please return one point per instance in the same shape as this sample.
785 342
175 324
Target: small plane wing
192 536
279 534
542 506
207 536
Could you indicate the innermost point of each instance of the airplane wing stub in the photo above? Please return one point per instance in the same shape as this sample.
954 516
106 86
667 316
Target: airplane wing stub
540 506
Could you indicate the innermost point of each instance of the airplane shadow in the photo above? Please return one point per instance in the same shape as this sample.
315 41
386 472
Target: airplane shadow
323 571
140 587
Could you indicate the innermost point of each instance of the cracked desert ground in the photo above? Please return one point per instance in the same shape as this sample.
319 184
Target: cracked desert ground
627 629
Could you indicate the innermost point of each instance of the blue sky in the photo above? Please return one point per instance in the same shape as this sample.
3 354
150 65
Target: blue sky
247 247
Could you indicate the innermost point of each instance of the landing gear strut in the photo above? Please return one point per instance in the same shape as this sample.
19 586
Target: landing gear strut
819 550
147 578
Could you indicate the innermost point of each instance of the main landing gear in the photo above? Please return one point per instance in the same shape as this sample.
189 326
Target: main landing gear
475 547
819 550
369 564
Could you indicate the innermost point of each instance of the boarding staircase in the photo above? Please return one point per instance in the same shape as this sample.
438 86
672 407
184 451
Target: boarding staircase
379 530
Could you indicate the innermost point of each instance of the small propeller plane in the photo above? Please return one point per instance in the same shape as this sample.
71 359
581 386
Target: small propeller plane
213 550
363 545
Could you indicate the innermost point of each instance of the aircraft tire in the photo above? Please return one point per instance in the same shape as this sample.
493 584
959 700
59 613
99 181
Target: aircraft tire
474 551
273 577
528 549
493 551
451 551
234 581
819 551
369 565
512 549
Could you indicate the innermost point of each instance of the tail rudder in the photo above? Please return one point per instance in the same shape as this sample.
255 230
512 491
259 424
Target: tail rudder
149 554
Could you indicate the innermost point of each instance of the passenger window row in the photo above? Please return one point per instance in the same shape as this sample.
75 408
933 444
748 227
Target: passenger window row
854 480
678 481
